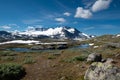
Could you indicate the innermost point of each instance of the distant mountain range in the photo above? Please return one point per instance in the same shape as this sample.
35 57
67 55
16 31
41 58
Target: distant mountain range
39 33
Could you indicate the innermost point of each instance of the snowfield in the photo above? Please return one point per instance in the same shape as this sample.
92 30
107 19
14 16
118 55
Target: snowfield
30 42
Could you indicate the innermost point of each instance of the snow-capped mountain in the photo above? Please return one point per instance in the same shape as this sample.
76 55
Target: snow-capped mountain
58 32
4 35
38 33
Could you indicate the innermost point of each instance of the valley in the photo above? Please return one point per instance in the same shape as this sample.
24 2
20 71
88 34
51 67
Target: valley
59 39
59 64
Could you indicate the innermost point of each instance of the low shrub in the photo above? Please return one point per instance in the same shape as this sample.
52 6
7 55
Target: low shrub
11 71
29 60
76 58
80 58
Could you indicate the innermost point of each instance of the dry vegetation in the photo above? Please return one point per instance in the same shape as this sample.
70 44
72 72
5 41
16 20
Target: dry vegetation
67 64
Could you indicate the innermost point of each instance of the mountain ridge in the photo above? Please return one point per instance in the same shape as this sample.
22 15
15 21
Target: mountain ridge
39 32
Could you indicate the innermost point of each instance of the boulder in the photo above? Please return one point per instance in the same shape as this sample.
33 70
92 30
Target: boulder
94 57
102 71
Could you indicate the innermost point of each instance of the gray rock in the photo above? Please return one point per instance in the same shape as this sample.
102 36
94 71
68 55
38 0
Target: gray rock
94 57
102 71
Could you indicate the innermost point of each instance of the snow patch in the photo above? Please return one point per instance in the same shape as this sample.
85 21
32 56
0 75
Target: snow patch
86 35
118 35
95 46
91 44
20 42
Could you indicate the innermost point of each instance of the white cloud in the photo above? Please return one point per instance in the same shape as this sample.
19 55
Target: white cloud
88 3
9 26
5 27
67 14
92 7
83 13
101 5
13 25
33 27
61 20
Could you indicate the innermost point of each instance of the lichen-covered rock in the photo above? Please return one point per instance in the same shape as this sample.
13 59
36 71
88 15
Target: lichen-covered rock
102 71
94 57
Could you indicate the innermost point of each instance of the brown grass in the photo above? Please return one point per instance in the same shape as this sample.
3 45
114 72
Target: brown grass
49 65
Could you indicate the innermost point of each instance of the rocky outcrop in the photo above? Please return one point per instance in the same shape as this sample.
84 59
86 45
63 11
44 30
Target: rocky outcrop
102 71
94 57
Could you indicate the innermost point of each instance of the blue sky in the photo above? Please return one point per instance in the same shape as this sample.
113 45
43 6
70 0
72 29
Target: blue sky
90 16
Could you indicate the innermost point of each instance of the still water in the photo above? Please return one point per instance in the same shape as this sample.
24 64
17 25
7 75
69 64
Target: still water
82 46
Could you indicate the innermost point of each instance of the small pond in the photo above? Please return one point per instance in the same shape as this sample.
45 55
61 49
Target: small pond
82 46
20 49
